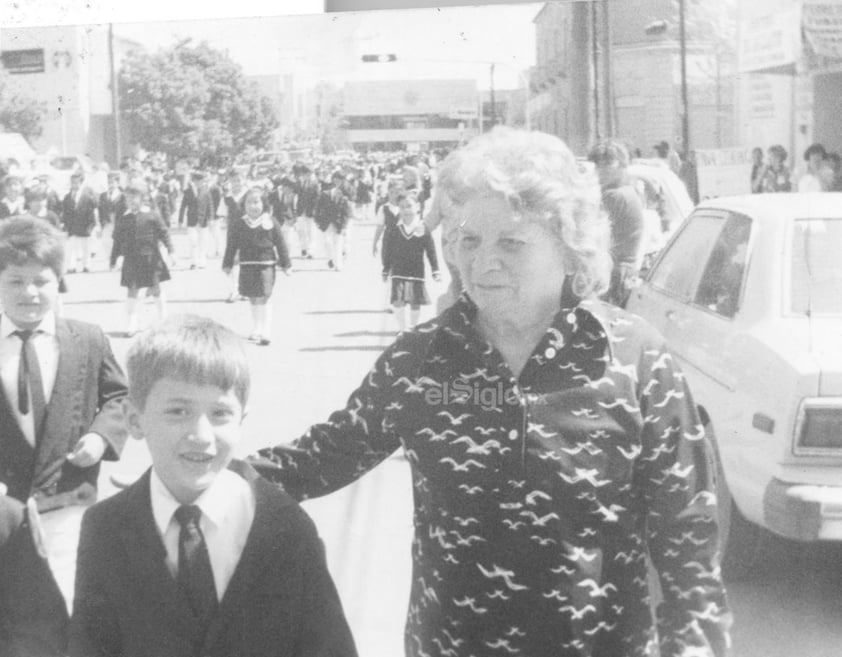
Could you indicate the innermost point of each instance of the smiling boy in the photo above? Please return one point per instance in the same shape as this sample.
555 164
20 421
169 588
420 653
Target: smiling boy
62 390
200 556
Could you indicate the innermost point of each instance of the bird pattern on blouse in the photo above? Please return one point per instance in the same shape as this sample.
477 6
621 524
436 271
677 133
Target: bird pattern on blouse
539 501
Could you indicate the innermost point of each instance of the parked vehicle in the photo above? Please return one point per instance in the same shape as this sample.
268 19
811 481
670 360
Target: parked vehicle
658 179
748 294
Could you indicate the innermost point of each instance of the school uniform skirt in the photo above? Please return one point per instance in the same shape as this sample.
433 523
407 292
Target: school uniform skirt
143 270
411 291
256 280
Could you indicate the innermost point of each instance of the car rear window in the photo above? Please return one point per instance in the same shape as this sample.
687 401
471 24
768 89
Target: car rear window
816 266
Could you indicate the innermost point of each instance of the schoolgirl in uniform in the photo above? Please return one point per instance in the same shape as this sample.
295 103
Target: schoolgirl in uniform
138 235
403 254
256 237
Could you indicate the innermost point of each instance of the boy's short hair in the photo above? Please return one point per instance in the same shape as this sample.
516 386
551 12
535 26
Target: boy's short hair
188 348
29 239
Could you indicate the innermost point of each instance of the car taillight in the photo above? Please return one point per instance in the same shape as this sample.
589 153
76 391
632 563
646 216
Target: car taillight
819 426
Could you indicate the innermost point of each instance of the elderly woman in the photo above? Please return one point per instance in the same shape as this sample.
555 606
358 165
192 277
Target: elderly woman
553 443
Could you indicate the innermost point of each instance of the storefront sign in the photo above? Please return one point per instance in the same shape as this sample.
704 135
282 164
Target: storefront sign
723 171
19 62
822 25
769 41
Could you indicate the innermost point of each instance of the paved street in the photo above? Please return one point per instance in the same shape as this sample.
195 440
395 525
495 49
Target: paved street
328 328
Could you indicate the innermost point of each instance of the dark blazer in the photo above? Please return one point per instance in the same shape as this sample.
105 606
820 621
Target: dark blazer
280 602
189 206
87 396
79 218
33 615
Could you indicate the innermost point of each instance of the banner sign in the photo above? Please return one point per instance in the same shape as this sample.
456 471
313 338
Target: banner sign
723 171
821 21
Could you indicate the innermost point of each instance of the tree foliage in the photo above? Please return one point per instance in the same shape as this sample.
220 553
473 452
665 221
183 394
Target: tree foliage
20 113
193 101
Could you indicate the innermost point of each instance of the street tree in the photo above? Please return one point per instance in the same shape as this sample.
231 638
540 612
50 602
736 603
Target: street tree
193 101
19 113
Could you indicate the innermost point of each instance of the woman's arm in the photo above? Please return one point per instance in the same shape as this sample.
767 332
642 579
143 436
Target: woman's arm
351 442
675 477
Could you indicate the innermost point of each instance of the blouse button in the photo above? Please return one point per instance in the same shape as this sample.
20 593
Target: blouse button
513 434
571 318
550 352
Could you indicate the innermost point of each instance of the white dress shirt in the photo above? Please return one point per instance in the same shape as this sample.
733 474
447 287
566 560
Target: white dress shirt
46 347
227 515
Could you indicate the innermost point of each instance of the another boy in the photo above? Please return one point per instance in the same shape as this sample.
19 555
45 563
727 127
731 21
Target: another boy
61 398
200 556
33 616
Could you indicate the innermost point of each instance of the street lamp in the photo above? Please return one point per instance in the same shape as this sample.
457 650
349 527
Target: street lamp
657 28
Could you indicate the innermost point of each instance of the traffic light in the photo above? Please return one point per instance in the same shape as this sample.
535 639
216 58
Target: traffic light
390 57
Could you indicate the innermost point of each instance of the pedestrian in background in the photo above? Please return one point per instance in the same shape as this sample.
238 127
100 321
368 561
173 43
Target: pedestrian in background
112 206
404 249
776 176
80 218
13 202
138 239
256 237
569 465
306 198
333 211
757 168
811 180
625 215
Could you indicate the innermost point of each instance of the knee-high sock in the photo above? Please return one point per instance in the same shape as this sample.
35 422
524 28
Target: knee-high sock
266 328
256 316
131 311
400 316
161 306
414 316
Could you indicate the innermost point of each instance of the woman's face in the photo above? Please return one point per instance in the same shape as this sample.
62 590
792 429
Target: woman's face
512 269
774 160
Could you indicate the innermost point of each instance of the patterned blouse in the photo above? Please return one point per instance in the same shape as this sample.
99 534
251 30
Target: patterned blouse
538 500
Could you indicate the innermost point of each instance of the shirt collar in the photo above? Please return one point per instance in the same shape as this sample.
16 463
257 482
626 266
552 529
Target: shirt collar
214 501
47 325
591 315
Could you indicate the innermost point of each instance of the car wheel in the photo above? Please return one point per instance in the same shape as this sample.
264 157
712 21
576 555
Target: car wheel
742 544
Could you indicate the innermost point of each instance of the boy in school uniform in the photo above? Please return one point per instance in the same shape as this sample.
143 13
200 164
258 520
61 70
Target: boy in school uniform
61 398
200 556
33 615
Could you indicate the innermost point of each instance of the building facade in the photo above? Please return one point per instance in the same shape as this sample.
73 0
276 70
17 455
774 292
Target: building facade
790 61
67 68
409 114
601 74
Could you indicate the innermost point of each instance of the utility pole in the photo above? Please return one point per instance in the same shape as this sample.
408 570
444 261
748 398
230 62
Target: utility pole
607 70
595 64
115 97
493 103
685 105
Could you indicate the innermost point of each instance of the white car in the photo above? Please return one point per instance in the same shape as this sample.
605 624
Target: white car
748 294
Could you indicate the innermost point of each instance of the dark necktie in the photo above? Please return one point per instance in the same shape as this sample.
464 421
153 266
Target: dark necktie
195 575
29 380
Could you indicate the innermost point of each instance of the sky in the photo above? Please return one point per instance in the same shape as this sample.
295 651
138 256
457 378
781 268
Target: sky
450 42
